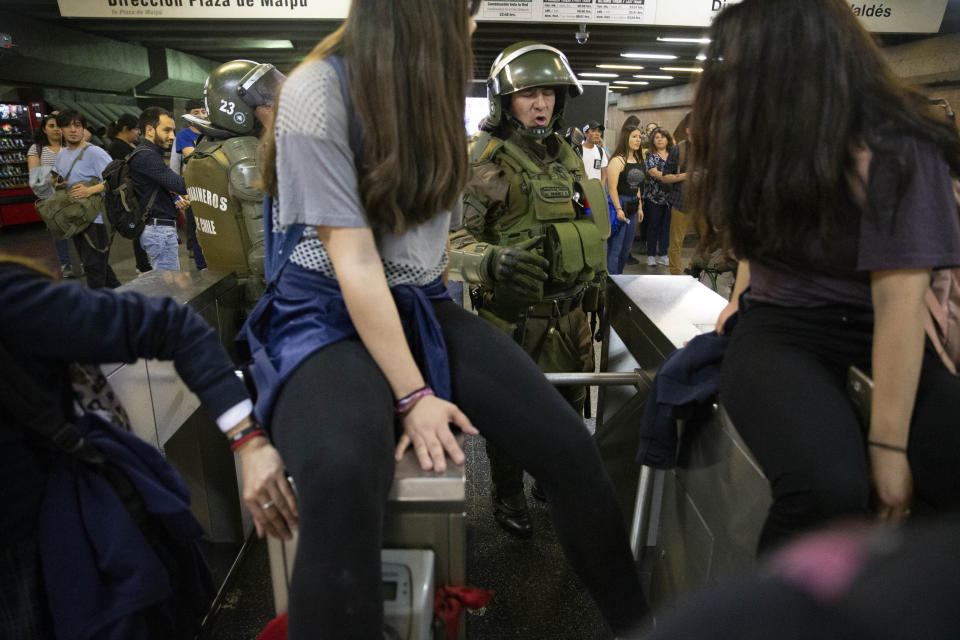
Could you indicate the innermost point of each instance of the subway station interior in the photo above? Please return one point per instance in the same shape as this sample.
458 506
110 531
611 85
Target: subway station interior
675 504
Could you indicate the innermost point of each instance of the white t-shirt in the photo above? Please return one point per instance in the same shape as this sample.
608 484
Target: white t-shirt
594 159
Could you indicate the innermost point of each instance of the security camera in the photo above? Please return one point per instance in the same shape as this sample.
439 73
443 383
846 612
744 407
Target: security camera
582 35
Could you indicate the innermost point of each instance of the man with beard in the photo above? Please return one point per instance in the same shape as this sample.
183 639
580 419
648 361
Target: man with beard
157 187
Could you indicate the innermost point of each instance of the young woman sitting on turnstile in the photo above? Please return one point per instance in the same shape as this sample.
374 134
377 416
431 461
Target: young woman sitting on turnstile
360 333
833 185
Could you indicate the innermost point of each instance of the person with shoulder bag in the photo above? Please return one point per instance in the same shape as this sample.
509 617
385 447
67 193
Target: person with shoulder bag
76 210
41 158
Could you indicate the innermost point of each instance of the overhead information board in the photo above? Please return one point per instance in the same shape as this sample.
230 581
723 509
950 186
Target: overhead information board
892 16
206 9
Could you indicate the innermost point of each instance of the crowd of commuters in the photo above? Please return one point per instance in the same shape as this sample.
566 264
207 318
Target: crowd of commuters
838 221
62 157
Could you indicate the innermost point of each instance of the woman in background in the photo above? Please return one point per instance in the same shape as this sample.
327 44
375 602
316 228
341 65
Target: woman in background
41 156
624 179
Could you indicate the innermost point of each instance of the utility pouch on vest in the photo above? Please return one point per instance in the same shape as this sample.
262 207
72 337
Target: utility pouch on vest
562 248
594 248
551 200
597 201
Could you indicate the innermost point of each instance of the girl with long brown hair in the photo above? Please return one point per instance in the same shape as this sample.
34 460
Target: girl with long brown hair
624 180
356 337
832 184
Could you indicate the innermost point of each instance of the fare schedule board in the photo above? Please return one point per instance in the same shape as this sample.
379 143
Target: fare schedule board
891 16
589 11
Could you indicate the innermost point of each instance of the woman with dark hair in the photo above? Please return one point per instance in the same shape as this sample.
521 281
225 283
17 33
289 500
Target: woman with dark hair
655 205
41 156
624 179
832 184
355 337
122 133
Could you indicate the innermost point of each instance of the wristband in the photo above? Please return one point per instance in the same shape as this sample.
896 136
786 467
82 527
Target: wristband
406 403
889 447
247 433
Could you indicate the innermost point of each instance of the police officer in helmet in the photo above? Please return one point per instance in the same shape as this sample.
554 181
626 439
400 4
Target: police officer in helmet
529 243
222 173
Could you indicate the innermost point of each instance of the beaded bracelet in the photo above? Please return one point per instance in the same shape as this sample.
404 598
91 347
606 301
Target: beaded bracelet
247 433
884 445
406 403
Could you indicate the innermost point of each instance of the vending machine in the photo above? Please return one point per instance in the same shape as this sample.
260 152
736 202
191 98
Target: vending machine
17 124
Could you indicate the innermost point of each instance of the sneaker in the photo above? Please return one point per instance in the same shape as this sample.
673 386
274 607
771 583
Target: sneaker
651 261
664 260
632 260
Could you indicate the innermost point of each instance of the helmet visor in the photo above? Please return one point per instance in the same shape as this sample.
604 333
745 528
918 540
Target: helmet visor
259 87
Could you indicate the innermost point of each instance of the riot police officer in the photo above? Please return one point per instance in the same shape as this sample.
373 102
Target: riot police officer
530 244
222 174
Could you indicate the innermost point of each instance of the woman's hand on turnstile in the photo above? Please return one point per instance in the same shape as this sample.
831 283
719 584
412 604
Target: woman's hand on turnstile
427 428
266 491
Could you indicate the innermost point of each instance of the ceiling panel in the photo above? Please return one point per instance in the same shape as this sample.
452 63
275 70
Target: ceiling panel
224 40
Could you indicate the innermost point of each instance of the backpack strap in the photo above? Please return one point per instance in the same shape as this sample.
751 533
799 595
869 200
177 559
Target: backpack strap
279 246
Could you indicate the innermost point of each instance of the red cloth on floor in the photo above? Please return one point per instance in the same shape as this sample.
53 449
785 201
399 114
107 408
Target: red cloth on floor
449 603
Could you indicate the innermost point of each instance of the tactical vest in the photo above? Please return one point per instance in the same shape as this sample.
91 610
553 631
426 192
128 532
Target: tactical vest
220 177
554 199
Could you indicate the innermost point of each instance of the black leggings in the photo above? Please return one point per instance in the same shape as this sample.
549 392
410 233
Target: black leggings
784 386
333 424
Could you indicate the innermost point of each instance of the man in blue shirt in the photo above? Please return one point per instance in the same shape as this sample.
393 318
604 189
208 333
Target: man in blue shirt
156 187
79 162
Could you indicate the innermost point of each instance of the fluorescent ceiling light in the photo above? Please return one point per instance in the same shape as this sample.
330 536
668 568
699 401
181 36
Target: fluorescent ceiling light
649 56
631 82
251 43
624 67
687 69
642 76
701 57
615 87
686 40
598 75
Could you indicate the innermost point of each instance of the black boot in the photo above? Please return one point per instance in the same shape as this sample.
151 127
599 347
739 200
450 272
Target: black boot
511 514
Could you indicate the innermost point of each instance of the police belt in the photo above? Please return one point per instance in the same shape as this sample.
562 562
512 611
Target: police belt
557 305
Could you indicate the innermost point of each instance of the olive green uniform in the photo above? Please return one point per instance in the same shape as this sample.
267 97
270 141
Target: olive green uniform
220 177
519 190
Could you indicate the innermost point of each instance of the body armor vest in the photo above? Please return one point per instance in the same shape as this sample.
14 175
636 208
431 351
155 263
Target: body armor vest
220 177
552 198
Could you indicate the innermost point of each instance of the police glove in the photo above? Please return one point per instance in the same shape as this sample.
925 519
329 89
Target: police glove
517 268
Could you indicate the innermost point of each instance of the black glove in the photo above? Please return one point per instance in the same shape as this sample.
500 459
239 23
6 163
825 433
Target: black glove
518 269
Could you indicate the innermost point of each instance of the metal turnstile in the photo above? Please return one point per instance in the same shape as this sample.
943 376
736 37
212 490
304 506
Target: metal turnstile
699 521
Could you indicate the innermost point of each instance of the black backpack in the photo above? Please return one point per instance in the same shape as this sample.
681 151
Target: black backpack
120 201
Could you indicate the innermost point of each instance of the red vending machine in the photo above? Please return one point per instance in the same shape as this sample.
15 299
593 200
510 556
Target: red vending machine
17 123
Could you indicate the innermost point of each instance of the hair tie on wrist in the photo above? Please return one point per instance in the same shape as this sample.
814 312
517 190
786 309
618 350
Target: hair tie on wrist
889 447
406 403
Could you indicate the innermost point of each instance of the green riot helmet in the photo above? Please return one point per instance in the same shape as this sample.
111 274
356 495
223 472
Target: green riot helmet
234 90
524 65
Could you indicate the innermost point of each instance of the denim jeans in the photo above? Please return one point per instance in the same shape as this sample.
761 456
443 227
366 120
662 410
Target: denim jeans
161 246
619 244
